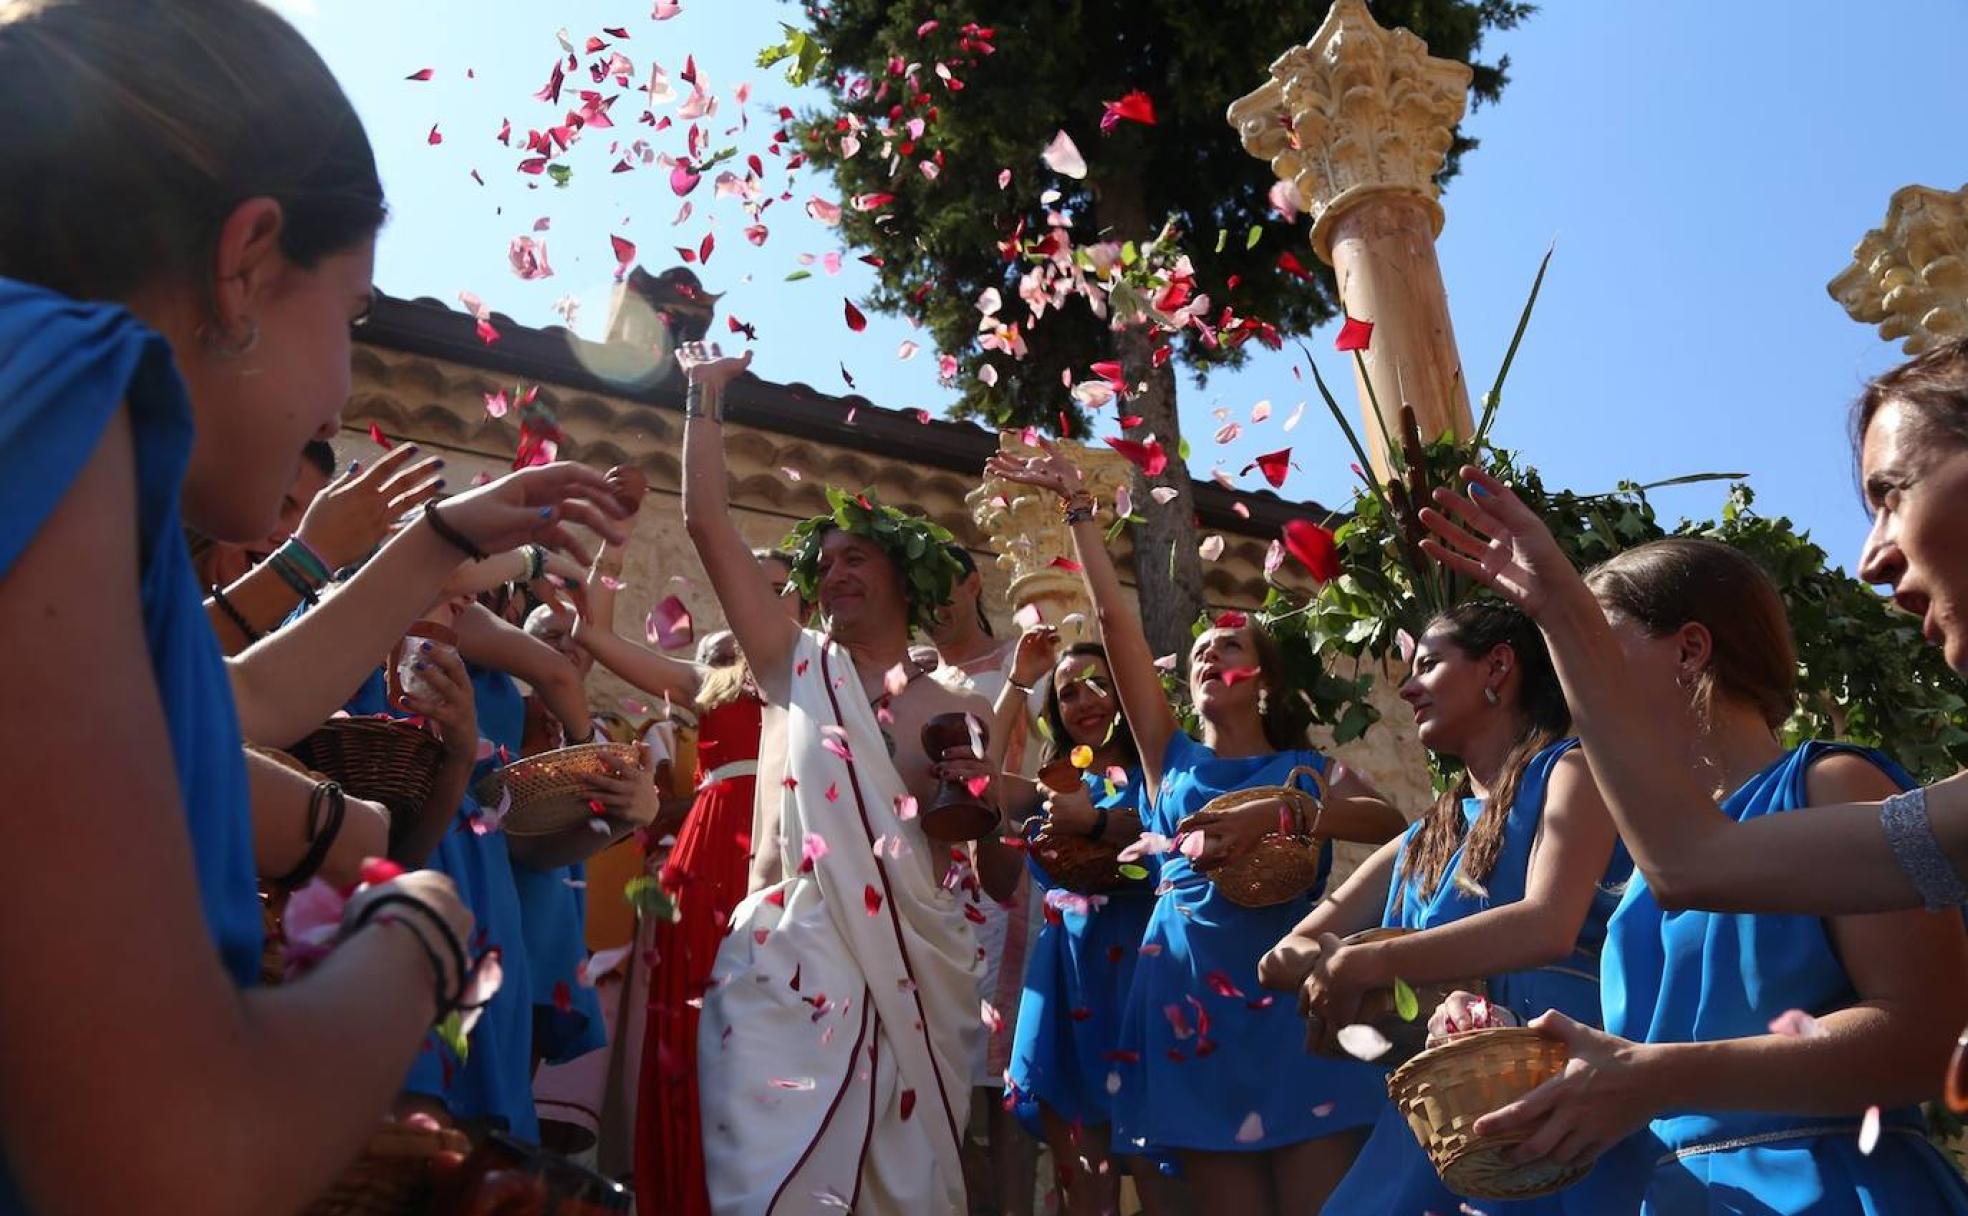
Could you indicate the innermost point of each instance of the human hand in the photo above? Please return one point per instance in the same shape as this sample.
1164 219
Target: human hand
627 790
1600 1099
1498 541
1071 812
1052 471
434 891
1461 1012
706 365
1228 835
1286 965
1036 652
355 512
535 504
450 705
1331 994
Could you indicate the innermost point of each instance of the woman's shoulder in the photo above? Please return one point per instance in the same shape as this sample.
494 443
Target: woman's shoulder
1833 773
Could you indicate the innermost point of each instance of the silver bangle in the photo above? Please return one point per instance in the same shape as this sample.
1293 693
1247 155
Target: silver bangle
697 403
1910 833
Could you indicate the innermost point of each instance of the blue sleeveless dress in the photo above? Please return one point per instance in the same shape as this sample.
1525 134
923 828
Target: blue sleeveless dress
67 368
494 1083
1076 986
1210 1060
553 911
1678 977
1392 1173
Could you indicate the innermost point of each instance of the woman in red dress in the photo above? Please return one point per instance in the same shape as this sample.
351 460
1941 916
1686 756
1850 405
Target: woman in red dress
705 877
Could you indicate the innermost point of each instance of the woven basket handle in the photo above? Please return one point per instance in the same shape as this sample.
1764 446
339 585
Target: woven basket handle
1318 792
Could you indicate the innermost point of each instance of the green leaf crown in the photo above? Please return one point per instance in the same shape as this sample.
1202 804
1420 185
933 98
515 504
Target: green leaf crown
915 545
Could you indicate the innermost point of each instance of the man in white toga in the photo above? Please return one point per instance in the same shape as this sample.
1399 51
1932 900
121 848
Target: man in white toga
836 1041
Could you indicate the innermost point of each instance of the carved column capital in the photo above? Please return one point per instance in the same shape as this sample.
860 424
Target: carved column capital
1028 534
1909 276
1357 112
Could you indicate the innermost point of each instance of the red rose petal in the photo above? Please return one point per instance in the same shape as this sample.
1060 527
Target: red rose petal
1354 335
1313 547
855 320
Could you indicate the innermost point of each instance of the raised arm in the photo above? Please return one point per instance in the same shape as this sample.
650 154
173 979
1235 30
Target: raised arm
1129 657
652 671
286 685
1693 855
164 1030
763 630
486 640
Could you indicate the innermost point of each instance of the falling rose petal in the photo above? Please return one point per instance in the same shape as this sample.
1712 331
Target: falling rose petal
1297 413
1190 845
812 849
434 138
1796 1024
834 739
1354 335
855 320
825 212
1274 559
1146 455
905 807
908 1104
1313 547
1323 1109
1251 1130
1148 844
1135 107
988 375
989 302
978 786
1363 1042
871 899
1228 432
528 258
1004 178
1869 1131
377 437
1275 466
1028 617
1164 495
683 179
1063 157
1067 564
1404 645
625 252
668 626
1285 200
906 351
1211 548
421 74
1289 263
799 1084
1260 412
1165 662
989 1015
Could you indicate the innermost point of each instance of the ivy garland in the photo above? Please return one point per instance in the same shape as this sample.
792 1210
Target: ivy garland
914 544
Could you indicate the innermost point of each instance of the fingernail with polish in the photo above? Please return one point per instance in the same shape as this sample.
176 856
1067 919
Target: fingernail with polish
546 512
424 646
439 485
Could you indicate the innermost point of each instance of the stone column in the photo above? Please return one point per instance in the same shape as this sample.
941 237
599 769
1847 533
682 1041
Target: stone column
1910 275
1358 120
1027 533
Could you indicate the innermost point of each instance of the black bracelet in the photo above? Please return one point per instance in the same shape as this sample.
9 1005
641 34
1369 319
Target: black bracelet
451 536
295 580
1099 829
234 615
447 1001
321 837
430 956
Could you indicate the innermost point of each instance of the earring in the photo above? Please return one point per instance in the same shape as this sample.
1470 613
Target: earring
1263 702
232 343
1490 695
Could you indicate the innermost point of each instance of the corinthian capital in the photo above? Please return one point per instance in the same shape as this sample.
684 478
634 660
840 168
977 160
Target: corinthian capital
1909 276
1357 111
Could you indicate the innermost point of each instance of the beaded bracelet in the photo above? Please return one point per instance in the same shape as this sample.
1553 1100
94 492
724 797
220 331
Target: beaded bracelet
233 614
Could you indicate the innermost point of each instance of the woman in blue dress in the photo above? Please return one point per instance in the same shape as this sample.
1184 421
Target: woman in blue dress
1759 1050
1509 877
1212 1069
225 298
1081 965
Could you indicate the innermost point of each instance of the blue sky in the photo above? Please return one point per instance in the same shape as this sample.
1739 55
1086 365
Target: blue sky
1702 170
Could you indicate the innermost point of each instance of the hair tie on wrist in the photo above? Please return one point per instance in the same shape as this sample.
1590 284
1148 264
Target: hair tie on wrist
451 536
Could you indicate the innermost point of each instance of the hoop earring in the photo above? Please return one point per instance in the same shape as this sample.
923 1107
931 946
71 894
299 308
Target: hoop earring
1490 695
232 343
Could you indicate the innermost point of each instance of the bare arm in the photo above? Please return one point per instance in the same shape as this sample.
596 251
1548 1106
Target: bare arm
1692 854
1355 906
288 683
486 640
764 633
280 812
453 709
164 1029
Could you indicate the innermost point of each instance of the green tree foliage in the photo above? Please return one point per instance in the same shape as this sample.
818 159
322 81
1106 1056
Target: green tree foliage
941 241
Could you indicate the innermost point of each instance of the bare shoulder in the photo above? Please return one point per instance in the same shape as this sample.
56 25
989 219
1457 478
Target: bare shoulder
1847 776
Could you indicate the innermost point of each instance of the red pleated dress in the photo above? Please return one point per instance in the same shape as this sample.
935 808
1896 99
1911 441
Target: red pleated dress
706 874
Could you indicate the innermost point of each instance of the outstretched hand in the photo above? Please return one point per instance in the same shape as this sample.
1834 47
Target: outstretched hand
705 364
535 505
355 511
1498 541
1052 471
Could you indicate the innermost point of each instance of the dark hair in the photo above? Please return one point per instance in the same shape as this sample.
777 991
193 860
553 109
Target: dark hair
1933 386
1476 628
968 566
321 456
142 124
1061 743
1665 584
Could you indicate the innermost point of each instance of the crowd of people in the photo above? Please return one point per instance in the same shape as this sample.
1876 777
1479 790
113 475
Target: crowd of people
1751 954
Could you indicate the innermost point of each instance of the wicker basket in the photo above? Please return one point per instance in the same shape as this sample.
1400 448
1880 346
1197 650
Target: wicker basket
1282 866
381 759
394 1176
549 791
1408 1038
1088 867
1444 1090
